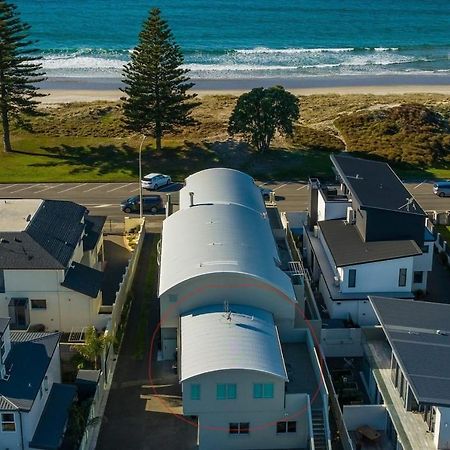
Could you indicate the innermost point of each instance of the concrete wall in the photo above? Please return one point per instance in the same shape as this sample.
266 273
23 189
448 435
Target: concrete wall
355 416
342 342
214 435
328 210
381 276
442 428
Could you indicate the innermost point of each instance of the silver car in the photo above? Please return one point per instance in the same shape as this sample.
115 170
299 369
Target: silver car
153 181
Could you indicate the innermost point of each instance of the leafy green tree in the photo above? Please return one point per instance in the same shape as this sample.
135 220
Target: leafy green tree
19 71
156 85
260 113
93 346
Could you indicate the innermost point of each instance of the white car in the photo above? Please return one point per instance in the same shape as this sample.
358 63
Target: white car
153 181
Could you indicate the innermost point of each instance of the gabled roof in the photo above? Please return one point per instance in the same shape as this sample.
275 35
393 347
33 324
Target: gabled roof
245 339
93 231
49 239
347 247
419 335
23 383
219 238
83 279
221 185
374 184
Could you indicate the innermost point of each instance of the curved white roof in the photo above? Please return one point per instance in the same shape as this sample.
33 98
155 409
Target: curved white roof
220 185
245 339
220 238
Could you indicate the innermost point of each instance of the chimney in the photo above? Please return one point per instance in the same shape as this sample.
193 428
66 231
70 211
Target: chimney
191 194
314 185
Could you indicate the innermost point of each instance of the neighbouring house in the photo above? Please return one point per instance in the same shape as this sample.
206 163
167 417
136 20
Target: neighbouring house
407 373
233 310
365 236
51 256
34 405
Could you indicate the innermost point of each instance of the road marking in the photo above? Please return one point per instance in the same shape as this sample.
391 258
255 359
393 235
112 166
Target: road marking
106 205
48 188
302 187
24 189
71 188
420 184
8 186
96 187
120 187
279 187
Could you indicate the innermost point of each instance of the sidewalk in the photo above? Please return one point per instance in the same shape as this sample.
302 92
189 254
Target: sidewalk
129 422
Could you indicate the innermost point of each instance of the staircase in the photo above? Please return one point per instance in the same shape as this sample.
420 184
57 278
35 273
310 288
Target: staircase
320 440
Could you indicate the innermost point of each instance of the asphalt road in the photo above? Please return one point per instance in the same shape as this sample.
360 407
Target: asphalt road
105 198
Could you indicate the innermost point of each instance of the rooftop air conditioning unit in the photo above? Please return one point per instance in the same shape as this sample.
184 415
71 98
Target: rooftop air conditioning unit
351 216
316 231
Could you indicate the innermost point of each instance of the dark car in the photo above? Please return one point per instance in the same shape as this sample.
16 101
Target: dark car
151 203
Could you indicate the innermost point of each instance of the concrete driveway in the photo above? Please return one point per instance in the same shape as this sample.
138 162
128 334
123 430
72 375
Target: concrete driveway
134 418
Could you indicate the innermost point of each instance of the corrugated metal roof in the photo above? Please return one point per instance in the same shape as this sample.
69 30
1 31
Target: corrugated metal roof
419 335
220 238
221 185
214 340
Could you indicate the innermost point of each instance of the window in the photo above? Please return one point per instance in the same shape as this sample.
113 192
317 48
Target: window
226 392
286 427
418 277
195 392
39 304
352 278
402 277
2 280
8 423
239 428
263 390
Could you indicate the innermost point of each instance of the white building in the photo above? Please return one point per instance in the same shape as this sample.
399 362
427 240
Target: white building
51 255
228 300
367 236
34 405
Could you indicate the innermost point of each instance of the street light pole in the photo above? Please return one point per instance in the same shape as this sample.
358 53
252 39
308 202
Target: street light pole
140 177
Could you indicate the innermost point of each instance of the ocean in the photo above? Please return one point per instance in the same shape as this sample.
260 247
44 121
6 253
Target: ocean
241 39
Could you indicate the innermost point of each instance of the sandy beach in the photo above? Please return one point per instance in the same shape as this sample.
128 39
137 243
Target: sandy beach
67 90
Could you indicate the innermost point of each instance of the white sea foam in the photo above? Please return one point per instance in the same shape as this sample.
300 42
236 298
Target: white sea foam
293 51
235 67
81 63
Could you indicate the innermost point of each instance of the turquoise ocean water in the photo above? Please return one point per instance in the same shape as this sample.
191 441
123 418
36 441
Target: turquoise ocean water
249 38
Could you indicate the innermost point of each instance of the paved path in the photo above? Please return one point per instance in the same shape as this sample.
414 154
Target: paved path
129 421
105 198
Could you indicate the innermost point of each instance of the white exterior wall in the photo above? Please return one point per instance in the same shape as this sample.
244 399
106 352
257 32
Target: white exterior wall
10 440
327 252
66 309
216 288
424 263
442 428
328 210
381 276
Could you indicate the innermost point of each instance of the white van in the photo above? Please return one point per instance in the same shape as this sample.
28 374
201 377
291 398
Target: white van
442 188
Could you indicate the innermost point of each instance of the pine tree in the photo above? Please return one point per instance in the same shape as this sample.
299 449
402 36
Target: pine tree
19 71
156 85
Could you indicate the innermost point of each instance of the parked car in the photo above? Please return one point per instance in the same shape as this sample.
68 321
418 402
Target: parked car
153 181
442 188
151 203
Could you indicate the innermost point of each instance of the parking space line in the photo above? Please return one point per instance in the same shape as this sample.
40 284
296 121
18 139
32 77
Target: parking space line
8 186
71 188
420 184
302 187
96 187
49 187
120 187
24 189
279 187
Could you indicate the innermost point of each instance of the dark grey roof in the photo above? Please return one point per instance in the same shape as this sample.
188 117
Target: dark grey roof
26 336
50 429
4 321
23 384
88 375
93 231
48 241
374 184
83 279
348 248
419 335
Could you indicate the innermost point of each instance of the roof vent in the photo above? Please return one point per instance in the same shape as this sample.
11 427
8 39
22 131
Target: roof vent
16 239
442 332
4 241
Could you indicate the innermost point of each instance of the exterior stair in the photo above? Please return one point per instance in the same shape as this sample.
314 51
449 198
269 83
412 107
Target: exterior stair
320 440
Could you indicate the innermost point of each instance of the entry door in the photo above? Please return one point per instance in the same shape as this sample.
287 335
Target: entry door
169 349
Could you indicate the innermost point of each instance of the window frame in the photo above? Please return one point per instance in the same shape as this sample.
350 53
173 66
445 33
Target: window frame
229 391
416 273
351 278
6 423
402 276
239 428
263 390
196 393
33 304
286 427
